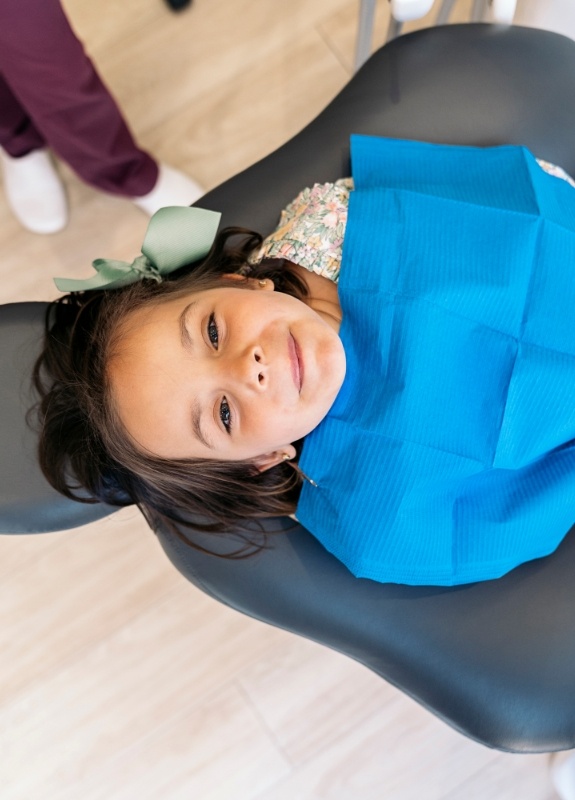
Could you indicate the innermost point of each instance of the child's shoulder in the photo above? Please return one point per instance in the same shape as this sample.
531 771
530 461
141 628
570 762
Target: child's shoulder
311 229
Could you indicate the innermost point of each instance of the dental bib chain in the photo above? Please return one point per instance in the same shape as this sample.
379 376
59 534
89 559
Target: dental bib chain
297 468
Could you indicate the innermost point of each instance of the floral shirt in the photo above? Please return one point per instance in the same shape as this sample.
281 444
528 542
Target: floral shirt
312 227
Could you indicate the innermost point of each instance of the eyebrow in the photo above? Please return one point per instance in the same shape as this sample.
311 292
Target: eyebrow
196 425
188 343
185 337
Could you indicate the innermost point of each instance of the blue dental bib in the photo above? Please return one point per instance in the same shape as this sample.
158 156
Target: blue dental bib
448 455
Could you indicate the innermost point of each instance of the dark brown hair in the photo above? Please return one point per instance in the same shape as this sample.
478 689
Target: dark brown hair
84 451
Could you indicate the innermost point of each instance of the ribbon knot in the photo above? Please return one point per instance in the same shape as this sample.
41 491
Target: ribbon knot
144 267
176 236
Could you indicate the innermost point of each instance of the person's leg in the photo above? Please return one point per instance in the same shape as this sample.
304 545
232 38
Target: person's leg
32 185
46 69
18 134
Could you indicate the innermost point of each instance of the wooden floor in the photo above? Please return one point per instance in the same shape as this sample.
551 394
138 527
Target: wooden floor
118 679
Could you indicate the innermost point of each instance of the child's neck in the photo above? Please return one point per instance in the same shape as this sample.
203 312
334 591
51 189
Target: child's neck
323 297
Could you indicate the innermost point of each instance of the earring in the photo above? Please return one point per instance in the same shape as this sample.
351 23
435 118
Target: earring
263 283
286 457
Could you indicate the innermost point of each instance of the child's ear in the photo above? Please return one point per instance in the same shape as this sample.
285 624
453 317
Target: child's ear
269 460
265 284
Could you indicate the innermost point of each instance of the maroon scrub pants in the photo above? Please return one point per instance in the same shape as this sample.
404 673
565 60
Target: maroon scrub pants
51 96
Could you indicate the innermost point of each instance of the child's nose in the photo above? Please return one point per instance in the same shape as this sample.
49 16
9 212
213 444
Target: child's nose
251 370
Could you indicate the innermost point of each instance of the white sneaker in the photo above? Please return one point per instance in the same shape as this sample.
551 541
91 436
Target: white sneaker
173 188
34 191
563 774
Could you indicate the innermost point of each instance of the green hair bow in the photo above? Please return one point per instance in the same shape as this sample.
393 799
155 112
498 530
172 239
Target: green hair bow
176 235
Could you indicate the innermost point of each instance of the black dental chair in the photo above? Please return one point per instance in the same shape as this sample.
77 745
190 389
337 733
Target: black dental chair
496 660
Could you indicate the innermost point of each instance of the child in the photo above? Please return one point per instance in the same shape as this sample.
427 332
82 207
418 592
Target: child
432 389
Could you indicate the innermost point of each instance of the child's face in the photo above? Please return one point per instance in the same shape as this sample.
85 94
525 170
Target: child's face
226 373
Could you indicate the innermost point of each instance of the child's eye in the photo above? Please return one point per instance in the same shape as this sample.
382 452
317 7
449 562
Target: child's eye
213 333
226 415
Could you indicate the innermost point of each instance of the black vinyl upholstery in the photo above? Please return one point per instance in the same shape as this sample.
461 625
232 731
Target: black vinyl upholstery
495 660
27 503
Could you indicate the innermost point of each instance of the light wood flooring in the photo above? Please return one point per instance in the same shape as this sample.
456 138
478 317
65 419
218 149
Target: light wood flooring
118 679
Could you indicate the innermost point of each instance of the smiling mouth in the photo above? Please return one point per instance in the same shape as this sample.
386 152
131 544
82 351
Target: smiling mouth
296 362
